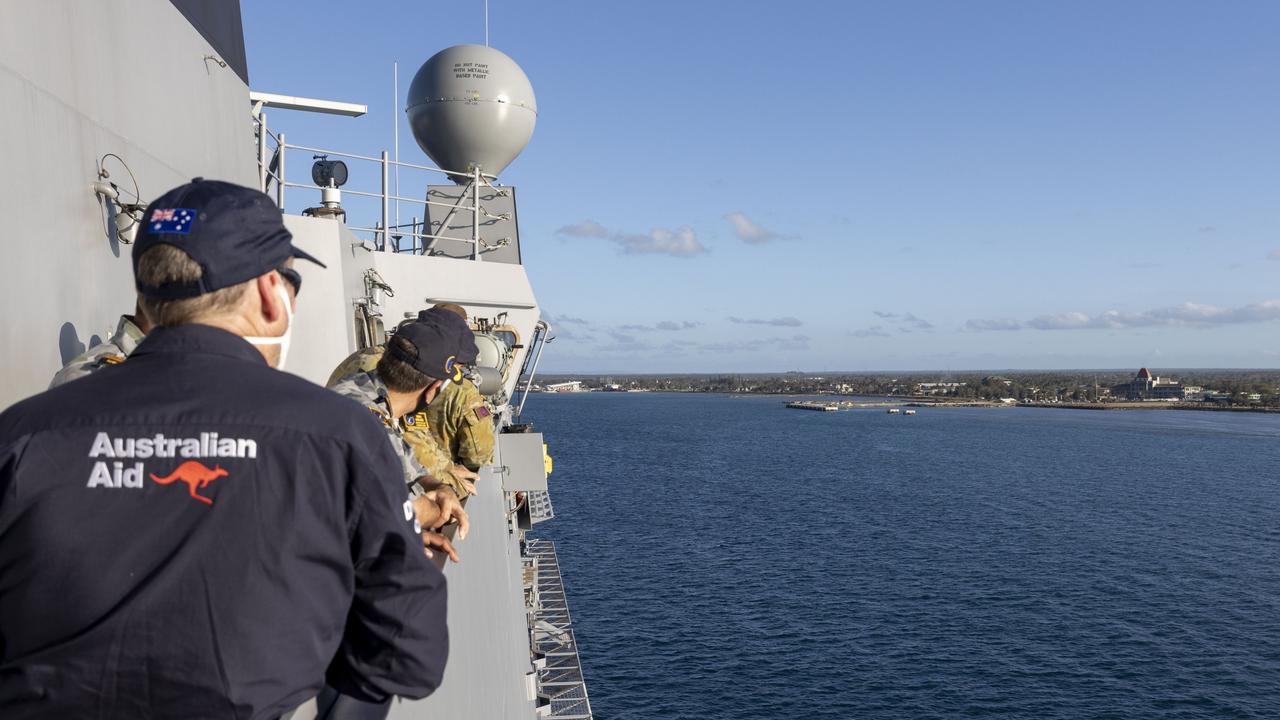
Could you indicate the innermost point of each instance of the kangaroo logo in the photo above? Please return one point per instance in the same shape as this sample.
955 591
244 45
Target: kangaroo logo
195 475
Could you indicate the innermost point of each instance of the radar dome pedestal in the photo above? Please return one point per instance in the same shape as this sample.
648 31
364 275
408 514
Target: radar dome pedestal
470 107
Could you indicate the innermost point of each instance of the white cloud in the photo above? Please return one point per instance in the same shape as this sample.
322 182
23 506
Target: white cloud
873 331
586 228
681 242
775 322
1186 314
749 231
1273 255
906 322
623 342
672 325
667 325
989 325
557 319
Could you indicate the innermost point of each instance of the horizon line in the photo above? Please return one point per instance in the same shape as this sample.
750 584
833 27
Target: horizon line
625 373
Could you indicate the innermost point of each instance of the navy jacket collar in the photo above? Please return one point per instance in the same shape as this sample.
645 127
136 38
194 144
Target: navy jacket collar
201 339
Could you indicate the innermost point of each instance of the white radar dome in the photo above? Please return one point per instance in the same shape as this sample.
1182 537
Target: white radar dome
471 106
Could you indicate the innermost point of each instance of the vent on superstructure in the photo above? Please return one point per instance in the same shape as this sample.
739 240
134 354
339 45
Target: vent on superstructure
540 507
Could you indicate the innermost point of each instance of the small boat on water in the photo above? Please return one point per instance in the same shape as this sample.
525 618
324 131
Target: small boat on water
894 411
910 412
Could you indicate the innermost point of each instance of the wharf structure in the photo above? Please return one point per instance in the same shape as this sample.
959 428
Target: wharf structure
812 405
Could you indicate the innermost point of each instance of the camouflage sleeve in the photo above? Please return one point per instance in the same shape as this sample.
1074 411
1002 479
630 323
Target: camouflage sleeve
433 458
475 436
359 361
409 465
438 417
359 388
85 365
408 459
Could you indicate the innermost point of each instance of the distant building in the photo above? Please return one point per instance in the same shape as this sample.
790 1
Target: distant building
937 388
1145 386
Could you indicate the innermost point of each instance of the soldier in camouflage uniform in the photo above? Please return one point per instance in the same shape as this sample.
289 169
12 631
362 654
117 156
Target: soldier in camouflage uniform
428 451
419 450
459 416
463 423
129 332
366 389
419 358
421 434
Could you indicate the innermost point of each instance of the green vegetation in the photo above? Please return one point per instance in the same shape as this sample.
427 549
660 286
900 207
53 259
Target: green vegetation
1236 387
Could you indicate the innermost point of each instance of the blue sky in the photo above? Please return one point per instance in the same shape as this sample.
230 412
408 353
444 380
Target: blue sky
761 186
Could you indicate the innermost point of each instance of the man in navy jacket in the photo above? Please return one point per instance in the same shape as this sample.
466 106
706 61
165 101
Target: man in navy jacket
192 533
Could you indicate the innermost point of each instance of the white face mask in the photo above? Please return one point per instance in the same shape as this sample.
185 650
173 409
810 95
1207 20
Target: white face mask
282 340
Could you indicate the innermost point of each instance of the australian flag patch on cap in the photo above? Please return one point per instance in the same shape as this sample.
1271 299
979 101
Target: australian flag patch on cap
171 220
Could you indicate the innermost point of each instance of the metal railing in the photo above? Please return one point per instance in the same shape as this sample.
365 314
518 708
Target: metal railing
386 235
562 690
524 381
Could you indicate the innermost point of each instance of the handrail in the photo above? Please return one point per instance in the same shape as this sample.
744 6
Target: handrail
561 685
541 330
390 196
272 149
394 163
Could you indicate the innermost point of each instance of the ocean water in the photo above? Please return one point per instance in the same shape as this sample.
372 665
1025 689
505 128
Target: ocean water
726 557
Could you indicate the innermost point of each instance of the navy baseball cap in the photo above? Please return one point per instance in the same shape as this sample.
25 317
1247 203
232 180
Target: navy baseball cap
467 350
235 233
434 348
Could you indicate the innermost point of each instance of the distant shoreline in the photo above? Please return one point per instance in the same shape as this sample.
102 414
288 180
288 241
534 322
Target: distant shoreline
931 401
1203 407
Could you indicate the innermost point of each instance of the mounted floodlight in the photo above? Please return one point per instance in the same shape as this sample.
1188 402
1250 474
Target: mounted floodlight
328 173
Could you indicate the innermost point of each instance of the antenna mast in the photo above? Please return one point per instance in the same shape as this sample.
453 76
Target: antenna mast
395 131
486 23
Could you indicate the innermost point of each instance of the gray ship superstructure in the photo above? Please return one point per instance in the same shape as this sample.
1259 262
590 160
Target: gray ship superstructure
97 124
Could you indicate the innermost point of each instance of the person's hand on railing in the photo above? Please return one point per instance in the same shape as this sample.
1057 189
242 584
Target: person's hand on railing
439 507
440 543
467 477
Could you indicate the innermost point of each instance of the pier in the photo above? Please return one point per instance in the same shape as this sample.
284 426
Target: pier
811 405
834 405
